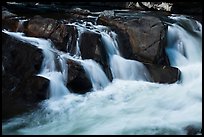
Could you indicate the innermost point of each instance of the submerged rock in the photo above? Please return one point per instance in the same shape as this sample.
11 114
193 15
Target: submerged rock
193 130
163 74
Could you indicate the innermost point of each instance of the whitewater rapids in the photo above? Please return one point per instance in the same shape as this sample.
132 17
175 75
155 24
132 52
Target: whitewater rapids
128 106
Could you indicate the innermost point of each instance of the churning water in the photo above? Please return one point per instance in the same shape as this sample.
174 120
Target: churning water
127 105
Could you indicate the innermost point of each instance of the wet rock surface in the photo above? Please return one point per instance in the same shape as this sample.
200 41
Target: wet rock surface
78 81
142 37
20 63
48 28
163 74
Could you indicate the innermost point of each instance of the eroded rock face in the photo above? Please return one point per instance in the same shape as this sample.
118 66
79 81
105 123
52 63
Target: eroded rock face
78 81
142 37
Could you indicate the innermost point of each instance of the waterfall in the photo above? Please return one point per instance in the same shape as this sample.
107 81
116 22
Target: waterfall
185 49
130 104
97 76
184 44
128 69
121 68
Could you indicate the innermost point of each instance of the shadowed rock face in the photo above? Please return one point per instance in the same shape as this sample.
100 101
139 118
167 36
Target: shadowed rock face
78 81
21 89
163 74
19 58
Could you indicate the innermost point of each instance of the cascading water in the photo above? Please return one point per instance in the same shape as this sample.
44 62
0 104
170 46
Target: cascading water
128 69
129 104
48 68
97 76
121 68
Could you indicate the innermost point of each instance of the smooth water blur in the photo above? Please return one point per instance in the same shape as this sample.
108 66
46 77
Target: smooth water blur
95 73
127 105
128 69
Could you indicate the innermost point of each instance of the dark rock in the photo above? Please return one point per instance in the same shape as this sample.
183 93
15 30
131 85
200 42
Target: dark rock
11 22
142 37
163 74
28 93
34 89
193 130
20 61
6 14
78 81
91 47
72 39
18 56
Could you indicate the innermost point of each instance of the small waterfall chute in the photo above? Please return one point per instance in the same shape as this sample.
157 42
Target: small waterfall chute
95 73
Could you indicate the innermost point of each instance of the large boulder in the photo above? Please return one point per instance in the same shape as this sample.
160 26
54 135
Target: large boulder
19 58
78 81
141 37
21 89
48 28
91 47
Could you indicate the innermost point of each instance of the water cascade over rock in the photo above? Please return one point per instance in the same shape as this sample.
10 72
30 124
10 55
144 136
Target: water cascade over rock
119 67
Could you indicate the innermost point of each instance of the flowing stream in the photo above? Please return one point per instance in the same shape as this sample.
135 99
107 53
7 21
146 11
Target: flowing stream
130 104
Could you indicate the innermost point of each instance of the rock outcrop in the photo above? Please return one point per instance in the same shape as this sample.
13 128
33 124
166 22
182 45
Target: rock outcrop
141 37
